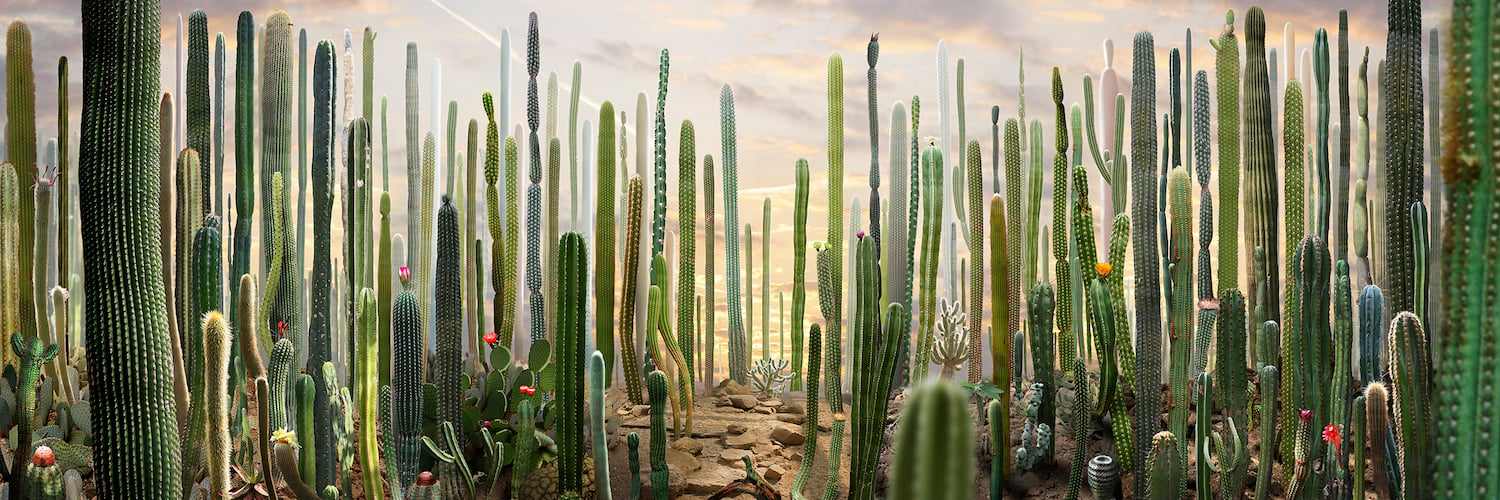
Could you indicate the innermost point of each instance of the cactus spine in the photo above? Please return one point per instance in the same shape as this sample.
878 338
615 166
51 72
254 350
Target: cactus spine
1403 161
1378 422
1082 427
739 350
656 384
534 190
799 290
832 313
604 242
710 316
572 302
20 135
1147 286
1231 377
512 243
406 333
1412 402
119 232
934 445
659 212
1342 346
1060 225
1043 357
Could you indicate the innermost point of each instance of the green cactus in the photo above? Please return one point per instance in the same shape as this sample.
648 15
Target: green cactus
627 306
1034 206
450 456
20 134
1260 159
526 444
833 379
934 445
33 354
306 394
534 190
1468 166
1102 317
320 338
119 231
1310 340
634 442
874 364
64 177
810 425
1161 482
833 314
1269 380
188 220
596 423
1403 159
1378 422
282 357
604 239
572 291
414 170
659 327
406 332
659 208
447 362
383 287
765 278
750 298
932 230
799 286
216 340
1293 133
244 157
1081 425
1043 358
656 383
1180 300
1015 247
1202 392
1060 225
1342 344
1412 403
739 349
995 412
1357 442
512 244
1320 79
1297 484
198 102
1232 402
1147 286
1001 295
710 317
369 403
44 477
1227 60
872 54
553 203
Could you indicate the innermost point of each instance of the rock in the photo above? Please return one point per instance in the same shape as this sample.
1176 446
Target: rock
790 436
711 479
688 445
772 403
640 410
730 388
683 461
793 454
732 456
824 426
774 472
765 410
749 438
764 450
794 407
792 418
743 401
735 429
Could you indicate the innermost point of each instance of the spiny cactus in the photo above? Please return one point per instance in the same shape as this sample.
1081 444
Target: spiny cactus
20 133
1322 172
1357 441
932 229
710 316
1161 482
934 445
33 354
1001 296
119 232
406 332
596 424
659 332
874 365
627 306
1378 426
686 236
573 300
534 190
659 208
1269 380
1181 302
1147 286
446 362
1227 61
1260 159
1060 225
739 351
1403 156
1041 303
656 383
810 425
765 278
1081 425
1412 401
974 172
799 273
1230 373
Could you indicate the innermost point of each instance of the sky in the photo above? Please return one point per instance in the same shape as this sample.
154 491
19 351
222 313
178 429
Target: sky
772 53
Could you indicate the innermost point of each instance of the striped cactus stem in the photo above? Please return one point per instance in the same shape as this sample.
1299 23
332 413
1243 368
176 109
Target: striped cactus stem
369 402
1160 483
573 300
1082 427
320 336
1340 228
739 349
1102 316
932 229
934 445
1060 225
216 340
1311 347
1034 234
1294 139
1001 295
1372 329
682 405
659 157
604 241
810 425
244 156
1378 427
414 170
188 220
198 107
550 237
1298 484
687 241
656 384
914 202
406 332
1202 394
447 358
1181 304
799 286
1406 348
976 221
20 134
1269 380
1148 281
1343 340
275 154
1403 161
507 302
872 54
1198 142
1260 159
627 305
874 366
710 315
1231 333
833 311
1227 61
1322 172
1015 199
1469 167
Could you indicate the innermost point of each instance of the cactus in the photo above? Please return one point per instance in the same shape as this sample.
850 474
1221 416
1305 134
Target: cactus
450 456
659 327
1406 348
596 423
1043 358
810 425
319 336
1035 438
1034 206
1342 344
572 291
1357 442
1180 301
1403 158
739 350
10 239
198 103
1104 477
1015 247
1227 60
1309 342
406 332
188 220
932 229
44 477
999 440
1161 483
656 383
1234 453
306 395
446 362
1202 392
659 208
1298 482
1081 425
282 357
1001 296
1269 379
1060 226
118 231
1147 286
950 338
20 134
534 190
1260 158
1320 79
1103 318
526 444
627 306
512 243
799 273
1378 423
710 316
833 373
832 312
216 340
244 158
934 445
765 278
874 364
33 354
634 442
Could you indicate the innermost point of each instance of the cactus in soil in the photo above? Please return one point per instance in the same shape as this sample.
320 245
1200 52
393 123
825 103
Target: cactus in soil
319 336
1269 380
810 425
932 230
934 445
999 440
627 306
1297 484
656 384
119 232
1161 481
1406 346
216 340
596 422
305 395
1081 425
1147 287
1227 60
1309 343
572 304
406 333
1001 295
1060 225
1357 446
739 355
799 288
1043 357
1180 300
369 401
1230 373
633 440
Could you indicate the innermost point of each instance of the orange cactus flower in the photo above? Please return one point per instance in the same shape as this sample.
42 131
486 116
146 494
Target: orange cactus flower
1103 268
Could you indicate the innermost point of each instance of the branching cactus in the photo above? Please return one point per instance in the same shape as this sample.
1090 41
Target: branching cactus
1147 286
950 343
627 306
799 285
1060 224
935 457
833 312
739 349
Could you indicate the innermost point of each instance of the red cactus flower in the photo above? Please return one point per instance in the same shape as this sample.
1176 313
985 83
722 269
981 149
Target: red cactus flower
1305 415
426 478
1331 435
43 457
860 234
405 274
491 338
281 328
487 424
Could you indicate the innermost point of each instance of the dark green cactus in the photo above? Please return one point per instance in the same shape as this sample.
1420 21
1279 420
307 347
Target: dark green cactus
1325 184
1147 286
1260 160
1202 393
1230 373
33 354
999 441
710 316
198 118
810 425
1227 73
874 365
120 231
406 332
1403 158
634 442
244 158
1378 426
1043 357
1081 425
534 190
1357 442
1310 341
659 156
1342 347
656 384
447 370
932 230
1406 349
320 338
627 306
1181 305
1269 380
934 445
1061 226
572 302
686 237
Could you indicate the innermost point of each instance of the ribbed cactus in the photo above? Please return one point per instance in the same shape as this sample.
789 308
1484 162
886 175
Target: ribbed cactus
765 278
1378 426
1103 318
832 313
999 440
799 286
810 425
43 477
216 340
1181 305
20 135
1342 350
659 157
406 333
571 328
1412 402
1402 99
656 384
188 220
974 171
1322 172
119 232
710 315
507 302
1147 286
1468 164
305 395
872 54
1001 295
1294 141
932 230
244 157
1082 426
32 354
1359 220
282 357
1160 483
1043 357
934 445
320 337
1230 373
1309 342
1119 239
526 444
1227 93
739 349
1269 380
1015 246
833 373
447 359
627 306
596 423
534 190
1260 160
634 442
878 336
1061 225
659 330
1297 484
604 240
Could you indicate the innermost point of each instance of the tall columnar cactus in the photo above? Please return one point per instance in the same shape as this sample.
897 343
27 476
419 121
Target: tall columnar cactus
1001 295
1378 427
119 232
597 431
810 425
1260 160
198 117
934 445
414 170
1082 427
244 152
447 359
1227 60
320 338
1198 142
627 307
1406 349
1060 225
507 306
765 278
1034 234
1231 378
1359 220
833 373
833 313
659 156
974 173
1269 380
874 364
1041 304
1343 340
710 316
1341 195
932 230
534 190
406 333
1310 343
572 303
1402 98
216 340
1294 139
656 384
1297 484
739 356
20 135
604 240
1015 199
872 54
1147 285
1325 184
1102 317
276 116
1468 164
1181 301
799 285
